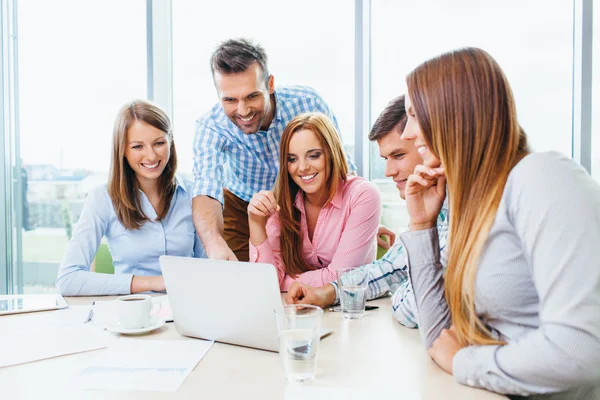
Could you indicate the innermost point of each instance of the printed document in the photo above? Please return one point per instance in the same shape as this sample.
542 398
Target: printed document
145 365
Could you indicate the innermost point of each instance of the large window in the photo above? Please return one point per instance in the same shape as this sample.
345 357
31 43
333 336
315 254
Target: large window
308 43
532 40
78 63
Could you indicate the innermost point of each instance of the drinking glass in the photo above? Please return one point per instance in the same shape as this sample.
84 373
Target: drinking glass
352 288
299 328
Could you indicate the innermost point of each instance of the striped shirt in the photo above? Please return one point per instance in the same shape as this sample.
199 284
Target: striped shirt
537 286
344 236
390 274
247 163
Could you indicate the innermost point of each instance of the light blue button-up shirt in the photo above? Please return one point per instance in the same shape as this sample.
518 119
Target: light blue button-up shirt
134 252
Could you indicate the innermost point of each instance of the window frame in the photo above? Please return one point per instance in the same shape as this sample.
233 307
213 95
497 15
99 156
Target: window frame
160 90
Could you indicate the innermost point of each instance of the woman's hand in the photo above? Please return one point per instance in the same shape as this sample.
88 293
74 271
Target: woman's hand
262 206
444 348
425 193
147 284
301 293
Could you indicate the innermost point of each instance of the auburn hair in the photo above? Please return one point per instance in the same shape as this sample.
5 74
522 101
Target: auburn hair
285 191
466 111
123 187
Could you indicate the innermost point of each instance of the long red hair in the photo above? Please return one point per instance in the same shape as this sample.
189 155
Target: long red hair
292 253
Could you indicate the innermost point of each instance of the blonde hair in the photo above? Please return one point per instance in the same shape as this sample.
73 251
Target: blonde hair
466 111
123 187
292 252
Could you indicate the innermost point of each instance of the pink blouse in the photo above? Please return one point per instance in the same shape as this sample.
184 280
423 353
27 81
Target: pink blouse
344 236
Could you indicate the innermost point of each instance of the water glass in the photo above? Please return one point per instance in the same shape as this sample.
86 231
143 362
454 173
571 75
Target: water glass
299 328
352 288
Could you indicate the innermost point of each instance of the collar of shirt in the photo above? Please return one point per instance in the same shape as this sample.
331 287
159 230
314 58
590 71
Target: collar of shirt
278 111
277 116
149 209
180 183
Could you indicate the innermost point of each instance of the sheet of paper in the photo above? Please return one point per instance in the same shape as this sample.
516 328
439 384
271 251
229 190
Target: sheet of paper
107 311
148 365
30 322
19 347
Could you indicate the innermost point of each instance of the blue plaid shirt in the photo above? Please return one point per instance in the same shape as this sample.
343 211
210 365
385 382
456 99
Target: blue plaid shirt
390 274
245 164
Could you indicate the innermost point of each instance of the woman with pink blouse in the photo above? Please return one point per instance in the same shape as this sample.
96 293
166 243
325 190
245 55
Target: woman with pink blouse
318 218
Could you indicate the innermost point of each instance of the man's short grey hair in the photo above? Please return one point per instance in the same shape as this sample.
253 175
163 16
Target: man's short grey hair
237 55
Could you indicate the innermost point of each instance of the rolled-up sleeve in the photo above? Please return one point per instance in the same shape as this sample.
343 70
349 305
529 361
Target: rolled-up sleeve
209 158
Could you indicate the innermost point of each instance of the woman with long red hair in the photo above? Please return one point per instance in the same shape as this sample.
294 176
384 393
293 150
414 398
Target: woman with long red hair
319 218
518 310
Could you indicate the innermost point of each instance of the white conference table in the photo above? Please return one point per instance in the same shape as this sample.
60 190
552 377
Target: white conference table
374 355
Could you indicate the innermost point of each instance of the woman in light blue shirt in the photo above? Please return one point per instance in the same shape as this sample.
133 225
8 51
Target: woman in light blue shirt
144 211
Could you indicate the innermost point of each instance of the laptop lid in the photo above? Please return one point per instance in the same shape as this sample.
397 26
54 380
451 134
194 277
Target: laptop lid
226 301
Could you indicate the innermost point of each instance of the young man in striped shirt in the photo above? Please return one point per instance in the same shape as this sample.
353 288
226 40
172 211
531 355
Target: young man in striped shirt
389 273
236 148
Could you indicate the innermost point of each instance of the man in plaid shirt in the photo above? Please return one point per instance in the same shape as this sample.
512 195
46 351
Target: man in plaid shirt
236 148
390 272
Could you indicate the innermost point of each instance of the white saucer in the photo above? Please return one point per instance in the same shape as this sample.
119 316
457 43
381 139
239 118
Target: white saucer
117 327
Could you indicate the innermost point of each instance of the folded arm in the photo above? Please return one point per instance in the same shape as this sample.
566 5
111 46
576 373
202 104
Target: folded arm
426 276
557 218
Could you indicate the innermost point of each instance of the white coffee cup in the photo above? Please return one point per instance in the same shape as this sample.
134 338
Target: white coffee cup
135 310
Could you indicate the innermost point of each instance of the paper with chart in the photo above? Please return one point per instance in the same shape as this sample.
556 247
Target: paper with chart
146 365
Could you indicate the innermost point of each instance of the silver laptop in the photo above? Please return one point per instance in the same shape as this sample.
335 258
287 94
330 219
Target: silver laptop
226 301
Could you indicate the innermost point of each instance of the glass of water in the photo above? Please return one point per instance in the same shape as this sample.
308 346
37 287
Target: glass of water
299 329
352 288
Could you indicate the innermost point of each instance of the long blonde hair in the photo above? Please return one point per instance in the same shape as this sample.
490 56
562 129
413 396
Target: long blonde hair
467 113
123 187
292 252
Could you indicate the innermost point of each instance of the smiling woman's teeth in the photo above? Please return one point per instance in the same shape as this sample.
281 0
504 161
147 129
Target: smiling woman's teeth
150 166
422 149
308 177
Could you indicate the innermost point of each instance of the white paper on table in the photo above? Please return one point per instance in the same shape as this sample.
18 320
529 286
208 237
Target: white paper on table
149 365
22 347
35 321
107 311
